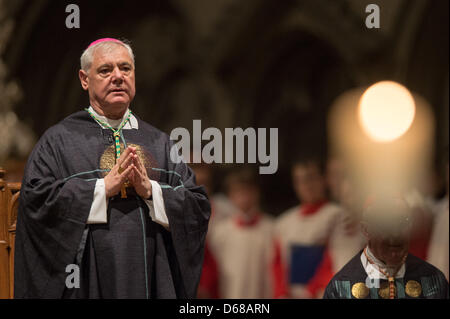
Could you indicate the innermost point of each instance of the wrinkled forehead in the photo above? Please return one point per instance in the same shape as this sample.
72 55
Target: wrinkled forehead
113 53
388 215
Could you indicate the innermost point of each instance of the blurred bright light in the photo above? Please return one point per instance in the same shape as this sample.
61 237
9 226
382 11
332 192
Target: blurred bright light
386 111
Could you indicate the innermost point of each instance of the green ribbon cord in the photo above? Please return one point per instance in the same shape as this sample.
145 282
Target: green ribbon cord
116 132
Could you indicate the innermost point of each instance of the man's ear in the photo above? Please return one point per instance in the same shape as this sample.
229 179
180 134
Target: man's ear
84 79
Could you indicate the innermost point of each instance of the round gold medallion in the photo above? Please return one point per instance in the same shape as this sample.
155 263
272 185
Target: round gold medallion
384 290
360 290
413 289
108 159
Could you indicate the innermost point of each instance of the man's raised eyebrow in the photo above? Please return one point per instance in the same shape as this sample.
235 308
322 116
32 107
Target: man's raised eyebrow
104 65
125 63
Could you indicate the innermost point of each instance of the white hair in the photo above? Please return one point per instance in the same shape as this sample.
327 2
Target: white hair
88 54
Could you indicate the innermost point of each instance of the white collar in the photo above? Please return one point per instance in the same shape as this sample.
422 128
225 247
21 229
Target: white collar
131 124
373 271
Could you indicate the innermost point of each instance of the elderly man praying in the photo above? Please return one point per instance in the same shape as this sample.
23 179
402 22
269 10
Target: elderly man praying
101 195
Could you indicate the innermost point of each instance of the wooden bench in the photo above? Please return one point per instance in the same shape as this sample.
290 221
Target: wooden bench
9 201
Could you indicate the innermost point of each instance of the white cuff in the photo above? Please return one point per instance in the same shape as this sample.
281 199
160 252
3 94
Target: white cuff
97 214
156 206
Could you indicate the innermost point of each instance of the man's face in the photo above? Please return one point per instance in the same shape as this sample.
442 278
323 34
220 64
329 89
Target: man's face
308 183
110 80
244 197
390 246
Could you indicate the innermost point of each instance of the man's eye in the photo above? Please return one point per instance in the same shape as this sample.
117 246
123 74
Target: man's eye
104 71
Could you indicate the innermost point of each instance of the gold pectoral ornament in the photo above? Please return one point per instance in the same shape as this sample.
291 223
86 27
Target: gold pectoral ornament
116 135
360 290
413 289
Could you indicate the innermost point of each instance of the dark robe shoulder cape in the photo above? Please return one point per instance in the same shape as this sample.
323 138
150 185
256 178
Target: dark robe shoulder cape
421 280
128 257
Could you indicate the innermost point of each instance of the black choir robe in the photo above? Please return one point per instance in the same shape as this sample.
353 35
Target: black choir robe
421 281
128 257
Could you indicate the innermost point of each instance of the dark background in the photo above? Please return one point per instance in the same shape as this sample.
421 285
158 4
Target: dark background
234 63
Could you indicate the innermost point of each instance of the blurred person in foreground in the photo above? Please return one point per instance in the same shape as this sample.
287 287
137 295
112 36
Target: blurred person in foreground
384 268
243 245
101 194
308 232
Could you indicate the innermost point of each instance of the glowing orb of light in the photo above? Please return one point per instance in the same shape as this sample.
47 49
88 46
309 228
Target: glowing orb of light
386 111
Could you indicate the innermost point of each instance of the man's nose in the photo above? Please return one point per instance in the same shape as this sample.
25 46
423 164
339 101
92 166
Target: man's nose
394 237
117 76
